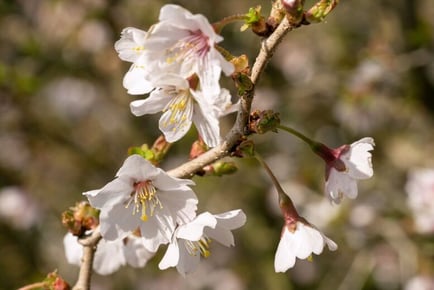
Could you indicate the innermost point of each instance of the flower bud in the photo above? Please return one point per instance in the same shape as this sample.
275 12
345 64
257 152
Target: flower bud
294 10
80 218
263 121
320 10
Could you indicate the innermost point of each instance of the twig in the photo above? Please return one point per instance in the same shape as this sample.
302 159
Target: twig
89 248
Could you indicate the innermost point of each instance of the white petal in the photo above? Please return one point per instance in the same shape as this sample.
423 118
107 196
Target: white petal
137 168
330 244
171 257
108 257
136 254
112 193
187 263
339 184
165 182
117 221
155 103
231 219
175 124
136 81
358 159
181 203
207 125
73 250
316 240
131 44
193 230
284 258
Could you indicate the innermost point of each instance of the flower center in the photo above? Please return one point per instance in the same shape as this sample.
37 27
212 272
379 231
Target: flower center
194 45
202 246
180 108
145 199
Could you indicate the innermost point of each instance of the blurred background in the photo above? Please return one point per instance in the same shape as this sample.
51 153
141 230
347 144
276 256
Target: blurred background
65 127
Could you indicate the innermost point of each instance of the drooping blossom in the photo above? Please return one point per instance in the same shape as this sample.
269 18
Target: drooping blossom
420 191
191 241
109 255
187 45
344 166
299 240
182 106
146 198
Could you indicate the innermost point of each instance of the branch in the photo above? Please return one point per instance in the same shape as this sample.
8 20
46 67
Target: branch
238 131
89 248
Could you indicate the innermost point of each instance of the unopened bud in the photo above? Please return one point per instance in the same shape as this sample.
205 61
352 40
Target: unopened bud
80 218
263 121
221 168
320 10
241 64
294 10
198 148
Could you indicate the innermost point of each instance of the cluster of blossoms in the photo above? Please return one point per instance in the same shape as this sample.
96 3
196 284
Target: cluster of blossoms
176 62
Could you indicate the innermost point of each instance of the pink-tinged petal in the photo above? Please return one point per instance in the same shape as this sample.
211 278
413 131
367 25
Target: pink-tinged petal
358 159
136 255
171 257
339 184
193 230
285 257
156 102
187 263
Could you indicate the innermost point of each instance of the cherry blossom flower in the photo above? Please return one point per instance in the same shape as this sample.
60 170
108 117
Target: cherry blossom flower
187 45
132 48
192 240
299 240
182 106
146 198
109 255
420 191
344 166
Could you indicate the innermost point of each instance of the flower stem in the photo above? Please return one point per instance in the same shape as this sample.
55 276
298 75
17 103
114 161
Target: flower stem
218 26
298 134
285 201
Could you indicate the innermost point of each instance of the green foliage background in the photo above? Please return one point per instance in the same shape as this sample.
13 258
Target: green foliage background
65 127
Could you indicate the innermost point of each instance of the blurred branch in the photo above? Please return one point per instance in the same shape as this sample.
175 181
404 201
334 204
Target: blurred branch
239 130
89 248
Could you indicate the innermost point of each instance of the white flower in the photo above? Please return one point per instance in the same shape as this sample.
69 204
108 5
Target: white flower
109 255
345 165
183 106
146 198
186 43
192 240
132 48
299 240
420 190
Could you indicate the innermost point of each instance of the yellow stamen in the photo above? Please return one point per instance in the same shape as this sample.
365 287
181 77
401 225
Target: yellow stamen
144 197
